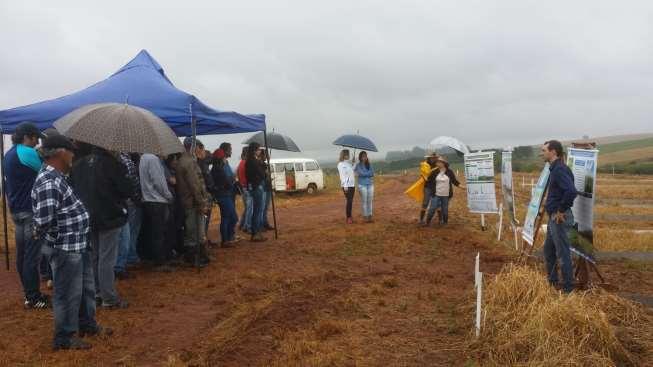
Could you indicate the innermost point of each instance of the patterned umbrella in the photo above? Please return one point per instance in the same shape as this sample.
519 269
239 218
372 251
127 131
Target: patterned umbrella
275 141
121 128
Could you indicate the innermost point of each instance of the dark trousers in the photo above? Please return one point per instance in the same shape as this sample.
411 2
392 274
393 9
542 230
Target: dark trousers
557 247
228 218
28 255
349 196
73 300
257 208
155 217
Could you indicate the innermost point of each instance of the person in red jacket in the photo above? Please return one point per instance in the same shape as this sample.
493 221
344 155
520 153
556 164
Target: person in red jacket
246 218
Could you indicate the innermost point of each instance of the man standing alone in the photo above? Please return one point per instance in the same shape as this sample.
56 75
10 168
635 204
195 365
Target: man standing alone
560 199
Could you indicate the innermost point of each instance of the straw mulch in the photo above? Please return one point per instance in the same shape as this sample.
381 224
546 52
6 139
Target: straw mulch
527 322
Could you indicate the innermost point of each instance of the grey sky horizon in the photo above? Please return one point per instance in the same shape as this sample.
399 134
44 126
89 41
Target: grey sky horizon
489 73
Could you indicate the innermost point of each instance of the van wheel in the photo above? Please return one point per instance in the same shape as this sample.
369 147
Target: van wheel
312 189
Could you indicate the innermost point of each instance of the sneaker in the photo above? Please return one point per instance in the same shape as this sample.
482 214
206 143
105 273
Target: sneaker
40 303
73 344
49 284
115 306
268 227
99 331
350 221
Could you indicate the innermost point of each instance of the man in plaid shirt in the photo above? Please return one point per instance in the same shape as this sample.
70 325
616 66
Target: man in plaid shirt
61 222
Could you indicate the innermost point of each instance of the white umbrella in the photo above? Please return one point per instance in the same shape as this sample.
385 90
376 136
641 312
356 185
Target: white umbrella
448 141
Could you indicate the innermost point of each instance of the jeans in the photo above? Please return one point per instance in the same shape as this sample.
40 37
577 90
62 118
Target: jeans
135 213
248 209
194 234
124 241
257 208
44 269
556 247
73 300
349 197
28 255
105 252
428 195
228 218
155 220
442 203
367 198
267 200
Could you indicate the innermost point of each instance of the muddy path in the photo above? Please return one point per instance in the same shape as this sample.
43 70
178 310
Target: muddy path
324 293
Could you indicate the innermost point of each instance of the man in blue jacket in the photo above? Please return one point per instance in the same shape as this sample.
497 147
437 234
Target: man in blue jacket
560 199
21 166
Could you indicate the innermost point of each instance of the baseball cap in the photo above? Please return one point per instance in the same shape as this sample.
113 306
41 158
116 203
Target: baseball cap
58 141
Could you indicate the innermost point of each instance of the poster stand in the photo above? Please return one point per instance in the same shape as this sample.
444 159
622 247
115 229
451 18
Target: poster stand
582 267
528 253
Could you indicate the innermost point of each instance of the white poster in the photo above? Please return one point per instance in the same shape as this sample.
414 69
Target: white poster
528 232
479 172
506 186
583 164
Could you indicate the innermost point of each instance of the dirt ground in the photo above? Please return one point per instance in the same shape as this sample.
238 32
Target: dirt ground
324 294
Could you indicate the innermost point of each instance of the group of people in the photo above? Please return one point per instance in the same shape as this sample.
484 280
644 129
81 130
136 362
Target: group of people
84 215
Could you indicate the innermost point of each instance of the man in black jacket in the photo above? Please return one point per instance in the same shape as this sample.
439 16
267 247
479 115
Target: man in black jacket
101 182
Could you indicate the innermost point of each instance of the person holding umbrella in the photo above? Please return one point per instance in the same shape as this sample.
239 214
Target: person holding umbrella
441 184
347 182
365 174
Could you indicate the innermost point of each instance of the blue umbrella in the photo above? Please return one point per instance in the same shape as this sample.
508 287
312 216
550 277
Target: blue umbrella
357 142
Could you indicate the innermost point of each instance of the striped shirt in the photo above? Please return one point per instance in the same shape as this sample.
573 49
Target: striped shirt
60 218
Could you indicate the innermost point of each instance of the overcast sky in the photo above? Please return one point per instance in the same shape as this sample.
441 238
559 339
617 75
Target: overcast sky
491 73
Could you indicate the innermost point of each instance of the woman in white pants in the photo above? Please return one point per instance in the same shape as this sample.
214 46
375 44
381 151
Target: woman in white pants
347 182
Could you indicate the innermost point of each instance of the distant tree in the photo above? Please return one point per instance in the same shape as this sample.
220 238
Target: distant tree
523 152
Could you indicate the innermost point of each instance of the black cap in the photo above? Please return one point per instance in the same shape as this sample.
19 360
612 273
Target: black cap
58 141
28 129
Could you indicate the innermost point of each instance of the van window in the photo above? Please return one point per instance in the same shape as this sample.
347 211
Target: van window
312 166
289 167
299 167
278 167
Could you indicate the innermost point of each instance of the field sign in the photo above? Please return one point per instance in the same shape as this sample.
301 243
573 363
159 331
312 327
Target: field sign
479 173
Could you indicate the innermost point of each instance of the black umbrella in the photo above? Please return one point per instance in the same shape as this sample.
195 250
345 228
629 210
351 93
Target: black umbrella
275 141
357 142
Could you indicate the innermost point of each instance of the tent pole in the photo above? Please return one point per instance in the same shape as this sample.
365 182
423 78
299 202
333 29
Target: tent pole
274 211
4 200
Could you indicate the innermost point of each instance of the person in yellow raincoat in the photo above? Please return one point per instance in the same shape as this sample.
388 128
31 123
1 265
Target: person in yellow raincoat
419 191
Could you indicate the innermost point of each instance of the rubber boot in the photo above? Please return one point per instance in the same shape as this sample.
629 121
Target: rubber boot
421 216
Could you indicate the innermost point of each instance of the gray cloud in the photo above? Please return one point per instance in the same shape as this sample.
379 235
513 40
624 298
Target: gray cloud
490 73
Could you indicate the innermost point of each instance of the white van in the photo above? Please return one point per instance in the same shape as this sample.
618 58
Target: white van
297 174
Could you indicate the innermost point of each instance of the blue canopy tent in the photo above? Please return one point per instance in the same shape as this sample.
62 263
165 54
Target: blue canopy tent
141 82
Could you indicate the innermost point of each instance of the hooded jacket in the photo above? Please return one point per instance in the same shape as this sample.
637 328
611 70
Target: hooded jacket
100 181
